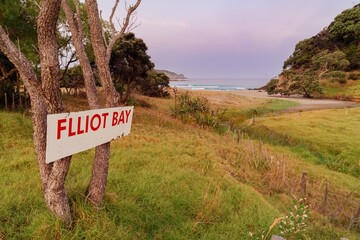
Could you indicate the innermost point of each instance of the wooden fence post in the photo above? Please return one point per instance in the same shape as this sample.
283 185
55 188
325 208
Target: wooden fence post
20 101
6 102
355 220
326 194
303 184
13 102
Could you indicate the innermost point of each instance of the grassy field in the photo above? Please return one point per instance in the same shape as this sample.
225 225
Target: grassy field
170 180
350 90
328 137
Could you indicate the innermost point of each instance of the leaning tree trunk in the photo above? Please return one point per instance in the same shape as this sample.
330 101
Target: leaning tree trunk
77 34
55 193
96 188
45 98
96 192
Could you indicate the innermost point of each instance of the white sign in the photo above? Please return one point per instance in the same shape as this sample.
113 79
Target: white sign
70 133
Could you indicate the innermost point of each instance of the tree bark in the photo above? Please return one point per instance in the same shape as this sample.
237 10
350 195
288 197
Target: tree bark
77 39
96 188
98 43
55 193
96 192
38 106
45 98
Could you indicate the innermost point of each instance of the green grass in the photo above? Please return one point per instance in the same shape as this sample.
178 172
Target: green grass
159 187
349 90
236 116
167 180
328 137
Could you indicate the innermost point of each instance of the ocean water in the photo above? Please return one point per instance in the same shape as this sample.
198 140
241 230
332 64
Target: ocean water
222 84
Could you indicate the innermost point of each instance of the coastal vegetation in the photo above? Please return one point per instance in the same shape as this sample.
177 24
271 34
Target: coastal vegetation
326 65
172 75
132 69
170 179
197 165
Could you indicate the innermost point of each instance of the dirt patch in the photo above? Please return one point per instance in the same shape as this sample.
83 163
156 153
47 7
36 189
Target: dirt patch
306 104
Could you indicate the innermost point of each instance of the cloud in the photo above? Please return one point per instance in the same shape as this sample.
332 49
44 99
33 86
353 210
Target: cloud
160 23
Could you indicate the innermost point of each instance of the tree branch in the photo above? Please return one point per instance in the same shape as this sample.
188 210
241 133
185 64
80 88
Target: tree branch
76 29
72 59
125 27
20 62
9 74
78 19
113 30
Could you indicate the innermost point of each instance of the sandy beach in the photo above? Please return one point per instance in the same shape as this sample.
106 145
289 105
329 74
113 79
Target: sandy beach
305 103
245 98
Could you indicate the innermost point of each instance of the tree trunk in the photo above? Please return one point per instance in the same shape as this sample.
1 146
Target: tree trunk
55 193
96 188
96 192
45 98
97 40
77 38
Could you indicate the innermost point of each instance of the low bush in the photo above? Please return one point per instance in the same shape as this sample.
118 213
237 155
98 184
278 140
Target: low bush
338 76
354 76
196 109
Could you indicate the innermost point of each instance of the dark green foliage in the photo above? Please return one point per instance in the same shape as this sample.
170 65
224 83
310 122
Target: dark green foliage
271 86
196 109
305 50
155 84
12 93
330 61
354 76
353 55
19 19
7 83
129 64
310 86
346 27
335 76
334 49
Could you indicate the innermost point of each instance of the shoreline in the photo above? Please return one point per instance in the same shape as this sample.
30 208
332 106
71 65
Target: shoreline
305 104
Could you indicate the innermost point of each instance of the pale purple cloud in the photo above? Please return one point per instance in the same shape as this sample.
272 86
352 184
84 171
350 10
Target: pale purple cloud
230 38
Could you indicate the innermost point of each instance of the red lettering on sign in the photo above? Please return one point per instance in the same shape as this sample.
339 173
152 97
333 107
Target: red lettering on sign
87 124
60 127
104 119
71 132
96 127
79 130
114 120
127 115
72 126
121 118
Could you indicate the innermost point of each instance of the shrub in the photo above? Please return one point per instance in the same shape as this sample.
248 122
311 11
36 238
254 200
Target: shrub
196 109
338 76
292 226
271 87
354 76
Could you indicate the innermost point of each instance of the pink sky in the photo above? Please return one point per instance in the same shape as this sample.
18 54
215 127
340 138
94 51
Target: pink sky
229 38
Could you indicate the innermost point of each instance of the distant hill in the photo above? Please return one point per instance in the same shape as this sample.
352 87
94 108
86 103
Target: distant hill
173 76
325 65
